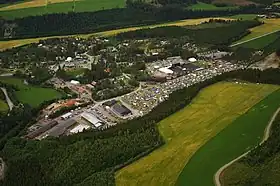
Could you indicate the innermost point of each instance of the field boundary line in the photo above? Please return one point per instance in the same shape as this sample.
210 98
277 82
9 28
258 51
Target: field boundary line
252 39
217 176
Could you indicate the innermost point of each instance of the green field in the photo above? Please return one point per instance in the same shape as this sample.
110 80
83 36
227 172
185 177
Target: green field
3 106
244 16
240 136
189 129
31 94
261 42
205 6
63 7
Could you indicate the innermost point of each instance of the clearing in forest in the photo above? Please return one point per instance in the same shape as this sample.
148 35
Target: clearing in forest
187 130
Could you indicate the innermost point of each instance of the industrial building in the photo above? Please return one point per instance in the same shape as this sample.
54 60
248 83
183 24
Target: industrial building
121 110
91 119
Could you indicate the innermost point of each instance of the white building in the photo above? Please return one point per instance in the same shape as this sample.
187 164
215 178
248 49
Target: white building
166 70
67 115
91 119
79 128
74 82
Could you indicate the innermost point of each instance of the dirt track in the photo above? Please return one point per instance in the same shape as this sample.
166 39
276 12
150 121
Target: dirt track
217 179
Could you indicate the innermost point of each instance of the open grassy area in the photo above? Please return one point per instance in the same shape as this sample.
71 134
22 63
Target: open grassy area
3 106
261 42
241 135
38 7
205 6
189 129
244 16
270 25
15 43
31 94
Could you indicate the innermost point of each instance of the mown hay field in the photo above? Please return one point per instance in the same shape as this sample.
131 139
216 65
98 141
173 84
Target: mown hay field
243 134
270 25
40 7
189 129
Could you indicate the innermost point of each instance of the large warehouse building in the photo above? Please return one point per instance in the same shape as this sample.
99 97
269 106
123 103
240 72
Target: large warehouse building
91 119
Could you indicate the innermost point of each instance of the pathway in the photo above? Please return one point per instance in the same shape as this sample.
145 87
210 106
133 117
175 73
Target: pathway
10 103
217 177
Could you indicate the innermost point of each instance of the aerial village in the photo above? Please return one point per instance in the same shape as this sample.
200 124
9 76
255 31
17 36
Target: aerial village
109 82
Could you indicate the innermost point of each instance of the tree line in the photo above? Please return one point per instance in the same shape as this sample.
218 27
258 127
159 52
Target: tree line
87 22
90 158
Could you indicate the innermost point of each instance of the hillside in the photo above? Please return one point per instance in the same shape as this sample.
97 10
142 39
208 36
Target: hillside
259 167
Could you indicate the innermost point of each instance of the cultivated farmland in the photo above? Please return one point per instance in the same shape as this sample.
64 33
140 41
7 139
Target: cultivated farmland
15 43
261 42
270 25
31 94
241 135
189 129
38 7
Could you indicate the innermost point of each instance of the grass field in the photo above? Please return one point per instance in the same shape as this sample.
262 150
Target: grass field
244 16
37 7
3 106
189 129
205 6
261 42
31 94
15 43
269 25
241 135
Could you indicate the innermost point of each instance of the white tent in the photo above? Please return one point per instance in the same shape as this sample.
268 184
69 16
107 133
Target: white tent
192 59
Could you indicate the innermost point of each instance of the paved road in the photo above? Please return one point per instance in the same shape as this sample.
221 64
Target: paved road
239 43
217 176
10 103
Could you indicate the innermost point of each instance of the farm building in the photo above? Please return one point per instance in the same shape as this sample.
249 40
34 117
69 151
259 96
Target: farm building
121 110
91 119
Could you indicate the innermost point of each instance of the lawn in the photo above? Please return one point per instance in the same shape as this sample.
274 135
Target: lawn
240 136
19 42
205 6
270 25
261 42
189 129
3 106
58 6
31 94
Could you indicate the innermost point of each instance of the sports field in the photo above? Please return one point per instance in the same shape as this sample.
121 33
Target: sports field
205 6
270 25
241 135
39 7
31 94
189 129
15 43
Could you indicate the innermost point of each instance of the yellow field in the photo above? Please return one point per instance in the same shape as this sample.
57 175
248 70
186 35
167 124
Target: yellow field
187 130
269 26
14 43
33 3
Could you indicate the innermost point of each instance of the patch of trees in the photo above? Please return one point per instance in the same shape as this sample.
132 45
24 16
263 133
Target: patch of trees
86 22
214 36
8 1
93 156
